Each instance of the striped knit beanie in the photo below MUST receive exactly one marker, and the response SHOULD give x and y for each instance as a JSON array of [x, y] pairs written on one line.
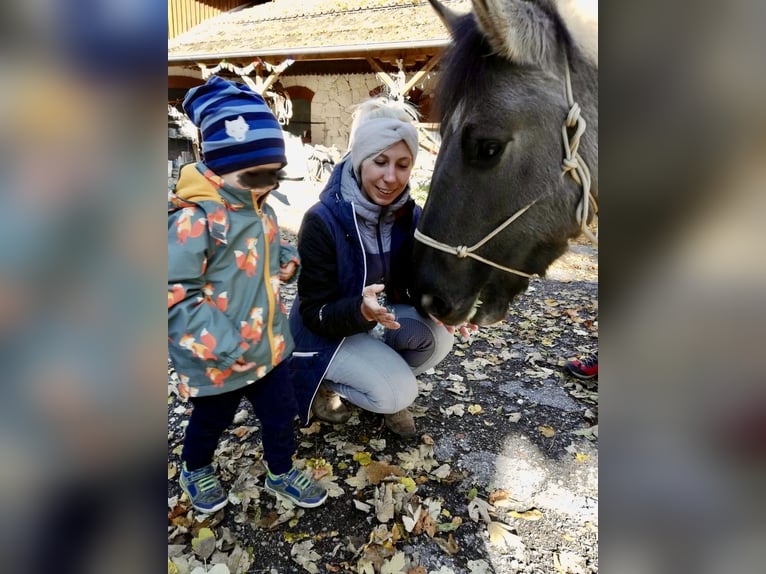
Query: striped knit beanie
[[238, 128]]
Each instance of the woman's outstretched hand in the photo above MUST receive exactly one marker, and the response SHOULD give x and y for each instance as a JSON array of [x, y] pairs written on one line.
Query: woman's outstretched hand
[[465, 329], [374, 311]]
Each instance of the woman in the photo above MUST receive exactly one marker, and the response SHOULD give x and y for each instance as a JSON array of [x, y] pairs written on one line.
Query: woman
[[356, 243]]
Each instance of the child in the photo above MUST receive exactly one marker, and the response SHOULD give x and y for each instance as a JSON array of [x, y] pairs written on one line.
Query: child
[[227, 328]]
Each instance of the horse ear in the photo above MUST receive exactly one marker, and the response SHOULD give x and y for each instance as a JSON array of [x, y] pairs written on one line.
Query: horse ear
[[447, 16], [519, 30]]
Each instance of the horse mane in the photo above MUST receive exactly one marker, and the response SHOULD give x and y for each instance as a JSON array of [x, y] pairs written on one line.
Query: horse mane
[[467, 59]]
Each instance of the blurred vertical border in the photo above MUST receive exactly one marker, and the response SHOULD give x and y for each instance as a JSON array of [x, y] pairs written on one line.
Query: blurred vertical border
[[82, 139], [682, 272]]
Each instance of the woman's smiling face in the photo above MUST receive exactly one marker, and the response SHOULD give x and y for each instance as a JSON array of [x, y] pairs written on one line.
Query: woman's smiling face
[[385, 175]]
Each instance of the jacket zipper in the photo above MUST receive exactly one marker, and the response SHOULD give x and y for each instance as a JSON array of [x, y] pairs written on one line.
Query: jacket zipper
[[267, 279]]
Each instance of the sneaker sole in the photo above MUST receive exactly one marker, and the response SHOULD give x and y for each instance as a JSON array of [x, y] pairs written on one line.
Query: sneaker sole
[[211, 510], [215, 508], [284, 497], [580, 376]]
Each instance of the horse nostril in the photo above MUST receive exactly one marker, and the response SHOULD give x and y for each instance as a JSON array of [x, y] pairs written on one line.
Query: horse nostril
[[434, 305]]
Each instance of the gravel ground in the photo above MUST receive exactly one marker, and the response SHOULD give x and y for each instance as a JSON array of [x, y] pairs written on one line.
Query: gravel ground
[[503, 478]]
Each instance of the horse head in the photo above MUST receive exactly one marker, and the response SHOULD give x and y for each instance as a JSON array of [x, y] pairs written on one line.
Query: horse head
[[501, 206]]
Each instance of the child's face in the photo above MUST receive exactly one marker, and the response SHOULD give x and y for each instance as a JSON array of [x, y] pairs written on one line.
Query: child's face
[[259, 179]]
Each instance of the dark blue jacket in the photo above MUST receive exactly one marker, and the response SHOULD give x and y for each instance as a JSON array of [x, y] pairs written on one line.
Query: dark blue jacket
[[328, 305]]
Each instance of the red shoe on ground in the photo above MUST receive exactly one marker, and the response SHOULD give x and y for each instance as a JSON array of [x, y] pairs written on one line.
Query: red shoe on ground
[[585, 368]]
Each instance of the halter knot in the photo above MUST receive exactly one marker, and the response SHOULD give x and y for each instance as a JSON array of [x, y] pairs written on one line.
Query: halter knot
[[569, 163], [573, 116]]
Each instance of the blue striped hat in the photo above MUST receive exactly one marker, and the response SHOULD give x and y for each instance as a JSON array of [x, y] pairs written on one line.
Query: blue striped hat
[[238, 128]]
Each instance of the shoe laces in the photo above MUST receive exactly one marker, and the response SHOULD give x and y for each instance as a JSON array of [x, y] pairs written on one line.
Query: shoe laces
[[207, 484], [590, 361], [298, 479]]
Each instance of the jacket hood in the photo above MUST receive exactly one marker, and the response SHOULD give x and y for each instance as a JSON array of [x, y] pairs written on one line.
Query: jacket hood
[[193, 187]]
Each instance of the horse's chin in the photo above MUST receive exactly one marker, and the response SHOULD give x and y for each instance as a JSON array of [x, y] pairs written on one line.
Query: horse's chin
[[490, 314], [495, 298]]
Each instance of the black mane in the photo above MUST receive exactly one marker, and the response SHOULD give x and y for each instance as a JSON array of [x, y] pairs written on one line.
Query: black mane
[[469, 56]]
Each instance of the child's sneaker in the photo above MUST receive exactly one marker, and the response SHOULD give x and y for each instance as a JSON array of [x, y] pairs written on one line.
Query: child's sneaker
[[586, 368], [203, 488], [297, 487]]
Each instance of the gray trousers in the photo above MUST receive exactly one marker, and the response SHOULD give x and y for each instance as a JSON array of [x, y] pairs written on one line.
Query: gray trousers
[[379, 375]]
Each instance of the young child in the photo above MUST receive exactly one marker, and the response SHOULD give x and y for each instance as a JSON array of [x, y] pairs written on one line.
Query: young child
[[227, 328]]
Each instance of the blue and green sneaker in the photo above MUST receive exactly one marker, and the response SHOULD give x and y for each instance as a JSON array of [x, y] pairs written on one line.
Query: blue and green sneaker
[[297, 487], [203, 488]]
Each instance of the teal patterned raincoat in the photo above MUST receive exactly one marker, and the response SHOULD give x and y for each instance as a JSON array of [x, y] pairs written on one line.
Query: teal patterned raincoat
[[224, 255]]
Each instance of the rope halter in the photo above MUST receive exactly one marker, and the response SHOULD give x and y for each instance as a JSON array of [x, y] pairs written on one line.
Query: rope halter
[[573, 164]]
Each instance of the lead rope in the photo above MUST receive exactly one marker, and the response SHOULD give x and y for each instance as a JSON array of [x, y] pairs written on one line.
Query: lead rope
[[462, 251], [573, 164]]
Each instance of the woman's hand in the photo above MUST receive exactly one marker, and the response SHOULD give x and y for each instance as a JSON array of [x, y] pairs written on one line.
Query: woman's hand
[[374, 311], [465, 329]]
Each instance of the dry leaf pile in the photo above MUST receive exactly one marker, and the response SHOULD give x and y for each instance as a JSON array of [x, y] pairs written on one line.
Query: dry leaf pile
[[432, 505]]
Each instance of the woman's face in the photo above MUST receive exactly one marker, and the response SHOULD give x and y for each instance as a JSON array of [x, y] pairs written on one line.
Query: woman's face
[[385, 176]]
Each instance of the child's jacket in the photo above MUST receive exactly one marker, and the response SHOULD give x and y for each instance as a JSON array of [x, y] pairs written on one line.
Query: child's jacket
[[224, 254]]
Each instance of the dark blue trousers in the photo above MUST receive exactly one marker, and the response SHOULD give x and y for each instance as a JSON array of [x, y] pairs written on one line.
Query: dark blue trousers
[[274, 405]]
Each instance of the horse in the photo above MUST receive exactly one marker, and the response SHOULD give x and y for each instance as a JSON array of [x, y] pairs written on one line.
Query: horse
[[516, 174]]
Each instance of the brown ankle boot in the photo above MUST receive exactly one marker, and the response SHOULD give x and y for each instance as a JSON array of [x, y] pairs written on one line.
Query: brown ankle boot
[[328, 407], [401, 423]]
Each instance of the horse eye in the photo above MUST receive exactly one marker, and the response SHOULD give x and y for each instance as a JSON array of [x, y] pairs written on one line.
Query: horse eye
[[488, 149]]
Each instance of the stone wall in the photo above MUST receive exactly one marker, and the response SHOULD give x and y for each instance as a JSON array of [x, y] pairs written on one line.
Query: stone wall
[[334, 99]]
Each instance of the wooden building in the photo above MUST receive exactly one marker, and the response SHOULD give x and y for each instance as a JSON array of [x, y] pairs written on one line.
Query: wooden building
[[312, 58]]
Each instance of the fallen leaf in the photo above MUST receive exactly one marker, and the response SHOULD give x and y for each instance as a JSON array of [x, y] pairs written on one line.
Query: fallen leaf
[[384, 503], [450, 546], [216, 569], [241, 416], [303, 554], [531, 514], [172, 470], [498, 496], [408, 483], [204, 544], [547, 431], [314, 428], [475, 409], [500, 532], [568, 563], [458, 409], [241, 431], [588, 432], [479, 567], [377, 471], [443, 471], [479, 508], [393, 566], [363, 458], [377, 444]]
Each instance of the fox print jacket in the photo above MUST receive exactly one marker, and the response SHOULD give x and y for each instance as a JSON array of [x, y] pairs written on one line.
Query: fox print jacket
[[224, 255]]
